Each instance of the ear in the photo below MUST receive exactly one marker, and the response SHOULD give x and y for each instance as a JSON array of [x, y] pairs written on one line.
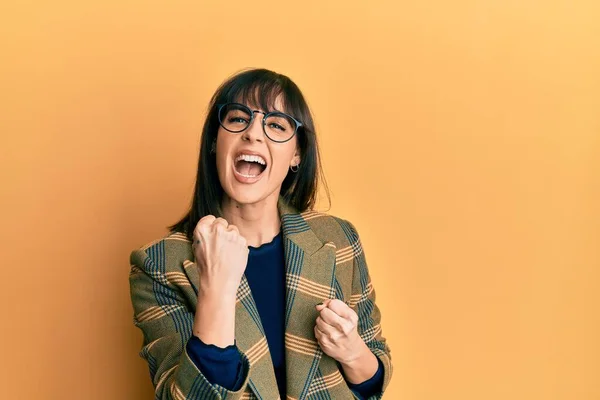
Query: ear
[[295, 160]]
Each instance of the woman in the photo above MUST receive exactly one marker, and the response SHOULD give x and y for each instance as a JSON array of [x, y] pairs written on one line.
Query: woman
[[252, 294]]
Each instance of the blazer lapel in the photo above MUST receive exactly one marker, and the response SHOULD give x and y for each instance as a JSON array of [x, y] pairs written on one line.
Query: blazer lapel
[[310, 279], [250, 338]]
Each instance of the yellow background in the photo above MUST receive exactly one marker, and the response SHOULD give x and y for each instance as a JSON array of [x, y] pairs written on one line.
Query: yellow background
[[461, 137]]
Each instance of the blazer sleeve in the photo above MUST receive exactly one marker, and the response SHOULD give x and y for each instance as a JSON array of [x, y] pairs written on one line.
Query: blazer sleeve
[[363, 302], [166, 321]]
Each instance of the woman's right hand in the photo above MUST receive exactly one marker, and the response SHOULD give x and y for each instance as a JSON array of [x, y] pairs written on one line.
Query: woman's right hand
[[221, 256]]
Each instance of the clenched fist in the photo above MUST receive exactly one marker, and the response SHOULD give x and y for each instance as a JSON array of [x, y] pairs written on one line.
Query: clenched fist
[[221, 256], [336, 331]]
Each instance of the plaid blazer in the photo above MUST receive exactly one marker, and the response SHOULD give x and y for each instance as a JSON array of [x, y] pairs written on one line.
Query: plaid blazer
[[324, 259]]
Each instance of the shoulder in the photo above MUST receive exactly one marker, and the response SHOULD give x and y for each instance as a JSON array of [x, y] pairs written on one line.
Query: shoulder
[[330, 228], [163, 254], [172, 240]]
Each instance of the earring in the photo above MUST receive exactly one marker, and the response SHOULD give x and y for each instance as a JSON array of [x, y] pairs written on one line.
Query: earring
[[213, 148], [297, 167]]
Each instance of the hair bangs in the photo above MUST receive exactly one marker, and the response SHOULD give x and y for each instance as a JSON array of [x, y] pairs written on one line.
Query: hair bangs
[[260, 92]]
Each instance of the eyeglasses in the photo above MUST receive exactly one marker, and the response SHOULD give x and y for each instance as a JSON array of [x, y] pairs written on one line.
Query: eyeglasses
[[277, 126]]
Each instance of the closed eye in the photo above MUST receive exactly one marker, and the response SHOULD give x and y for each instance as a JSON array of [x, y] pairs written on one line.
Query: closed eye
[[276, 126], [238, 120]]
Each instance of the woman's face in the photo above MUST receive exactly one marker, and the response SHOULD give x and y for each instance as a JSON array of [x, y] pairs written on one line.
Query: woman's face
[[251, 167]]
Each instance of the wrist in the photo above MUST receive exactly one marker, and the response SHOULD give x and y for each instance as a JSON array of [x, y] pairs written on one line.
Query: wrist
[[214, 320], [219, 296], [362, 367], [357, 358], [207, 293]]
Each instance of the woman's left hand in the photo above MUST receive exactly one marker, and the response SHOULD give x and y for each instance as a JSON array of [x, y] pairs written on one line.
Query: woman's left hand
[[336, 331]]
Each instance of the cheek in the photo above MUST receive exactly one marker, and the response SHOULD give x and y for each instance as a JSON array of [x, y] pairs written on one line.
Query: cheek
[[224, 142], [279, 166], [281, 160]]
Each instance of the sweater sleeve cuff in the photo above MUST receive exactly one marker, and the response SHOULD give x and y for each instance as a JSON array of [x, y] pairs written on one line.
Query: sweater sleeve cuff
[[221, 366], [371, 386]]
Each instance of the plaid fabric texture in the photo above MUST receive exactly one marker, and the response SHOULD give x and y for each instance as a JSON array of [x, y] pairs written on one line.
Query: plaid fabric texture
[[324, 259]]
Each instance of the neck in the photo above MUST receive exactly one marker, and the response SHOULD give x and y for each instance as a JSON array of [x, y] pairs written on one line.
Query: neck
[[259, 222]]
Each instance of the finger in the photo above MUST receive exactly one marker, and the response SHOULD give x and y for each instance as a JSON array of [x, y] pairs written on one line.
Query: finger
[[233, 228], [330, 332], [321, 337], [220, 222], [324, 326], [231, 232], [334, 320], [198, 236], [219, 228], [318, 332], [203, 226], [206, 220], [341, 309]]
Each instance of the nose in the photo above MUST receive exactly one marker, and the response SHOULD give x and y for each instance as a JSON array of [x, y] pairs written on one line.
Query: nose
[[255, 131]]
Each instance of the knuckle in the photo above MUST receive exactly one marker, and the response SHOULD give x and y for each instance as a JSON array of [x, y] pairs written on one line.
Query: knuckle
[[207, 219], [348, 328], [202, 227], [336, 302], [233, 228], [219, 228], [232, 234]]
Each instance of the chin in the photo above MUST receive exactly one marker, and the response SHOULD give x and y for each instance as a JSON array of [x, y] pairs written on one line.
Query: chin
[[243, 194], [242, 198], [248, 195]]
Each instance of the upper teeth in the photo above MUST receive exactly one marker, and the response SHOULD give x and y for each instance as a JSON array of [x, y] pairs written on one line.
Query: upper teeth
[[249, 158]]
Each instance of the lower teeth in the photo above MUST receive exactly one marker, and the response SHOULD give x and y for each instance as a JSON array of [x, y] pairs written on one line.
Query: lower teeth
[[247, 176]]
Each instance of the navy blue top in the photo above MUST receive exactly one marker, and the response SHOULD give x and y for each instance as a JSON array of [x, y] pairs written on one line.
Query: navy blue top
[[265, 272]]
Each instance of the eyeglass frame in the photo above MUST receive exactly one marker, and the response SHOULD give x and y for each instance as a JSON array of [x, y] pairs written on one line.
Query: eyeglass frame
[[265, 116]]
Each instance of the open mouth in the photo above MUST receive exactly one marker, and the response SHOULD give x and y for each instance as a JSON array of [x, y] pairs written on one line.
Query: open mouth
[[249, 166]]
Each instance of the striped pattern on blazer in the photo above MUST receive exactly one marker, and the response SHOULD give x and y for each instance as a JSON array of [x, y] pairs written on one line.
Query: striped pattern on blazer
[[324, 260]]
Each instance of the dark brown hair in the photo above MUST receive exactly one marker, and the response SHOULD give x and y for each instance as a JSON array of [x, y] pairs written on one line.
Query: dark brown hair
[[260, 88]]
